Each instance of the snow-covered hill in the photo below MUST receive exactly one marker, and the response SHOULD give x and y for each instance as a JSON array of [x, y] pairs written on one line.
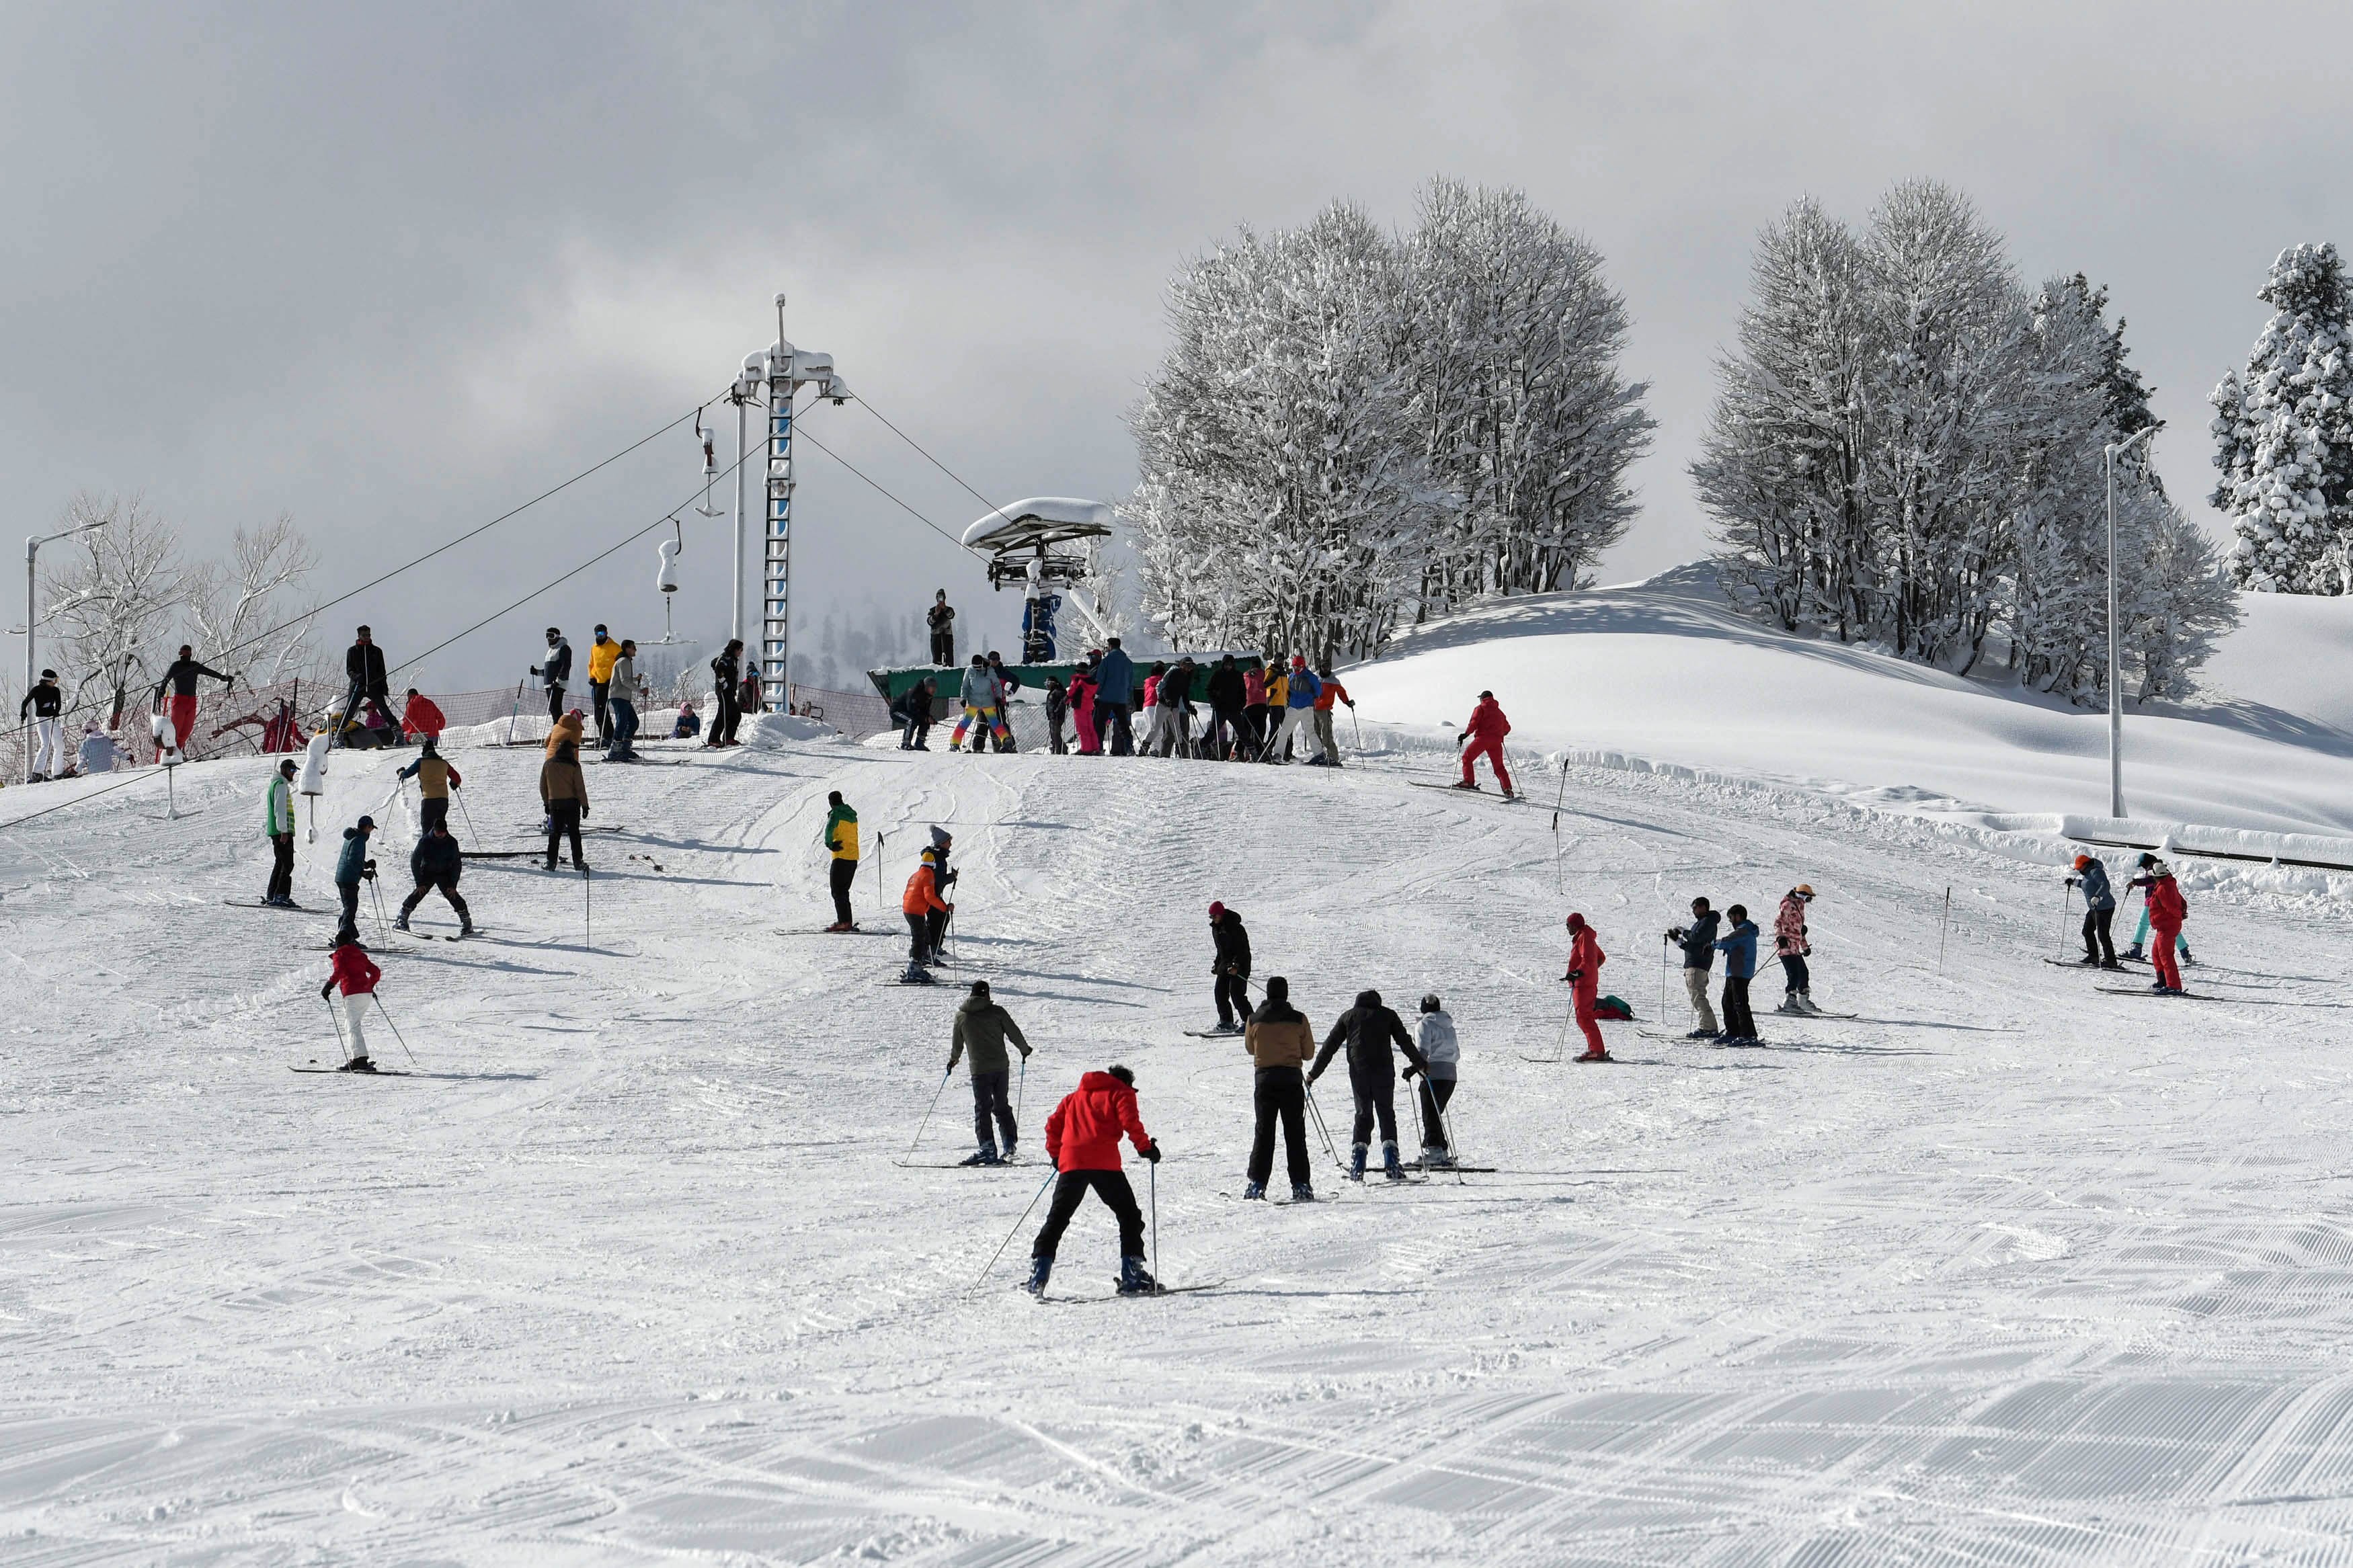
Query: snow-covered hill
[[2002, 1269], [1664, 670]]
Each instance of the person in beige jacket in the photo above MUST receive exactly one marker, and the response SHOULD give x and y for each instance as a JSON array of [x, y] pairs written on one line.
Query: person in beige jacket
[[564, 790], [1279, 1043]]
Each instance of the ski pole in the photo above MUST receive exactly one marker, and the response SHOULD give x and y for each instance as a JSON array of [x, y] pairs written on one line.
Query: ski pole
[[395, 1029], [935, 1105], [338, 1023], [1011, 1233], [1317, 1112], [1022, 1089], [2066, 905], [1152, 1186], [459, 795], [588, 910], [1666, 961], [376, 893], [881, 887], [1942, 922]]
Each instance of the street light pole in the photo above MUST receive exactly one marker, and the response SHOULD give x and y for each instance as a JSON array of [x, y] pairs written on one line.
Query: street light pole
[[33, 543], [2116, 449]]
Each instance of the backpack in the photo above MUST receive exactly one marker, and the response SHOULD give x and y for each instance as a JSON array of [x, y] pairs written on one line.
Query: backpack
[[1613, 1008]]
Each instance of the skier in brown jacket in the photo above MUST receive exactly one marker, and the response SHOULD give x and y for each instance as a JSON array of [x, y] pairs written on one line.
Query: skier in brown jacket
[[1279, 1043], [564, 790]]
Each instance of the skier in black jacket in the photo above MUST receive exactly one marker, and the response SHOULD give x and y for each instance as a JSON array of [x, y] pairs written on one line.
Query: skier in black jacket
[[1698, 942], [1231, 966], [363, 668], [436, 862], [726, 678], [1228, 698], [1369, 1030]]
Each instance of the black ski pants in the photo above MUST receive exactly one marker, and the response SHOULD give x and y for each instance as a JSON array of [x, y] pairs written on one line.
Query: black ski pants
[[564, 817], [448, 885], [2099, 942], [989, 1102], [1281, 1093], [724, 721], [1376, 1098], [597, 692], [1054, 741], [1123, 737], [1070, 1189], [1739, 1024], [919, 730], [281, 865], [1435, 1093], [935, 927], [350, 893], [555, 702], [919, 939], [943, 645], [1233, 995], [1793, 969], [1227, 730], [845, 872], [432, 813]]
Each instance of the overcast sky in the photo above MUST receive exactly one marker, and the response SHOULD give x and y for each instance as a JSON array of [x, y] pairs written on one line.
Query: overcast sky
[[394, 269]]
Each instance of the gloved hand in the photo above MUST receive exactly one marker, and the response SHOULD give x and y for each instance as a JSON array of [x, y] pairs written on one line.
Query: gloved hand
[[534, 670], [1314, 1076], [2074, 881], [1152, 1152], [1576, 975], [1409, 1070], [1025, 1053], [584, 811], [1350, 701], [1458, 740], [330, 986], [1674, 934]]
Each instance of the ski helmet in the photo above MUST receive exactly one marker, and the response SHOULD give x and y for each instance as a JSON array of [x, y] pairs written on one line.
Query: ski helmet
[[2082, 861], [1430, 1003], [1804, 890]]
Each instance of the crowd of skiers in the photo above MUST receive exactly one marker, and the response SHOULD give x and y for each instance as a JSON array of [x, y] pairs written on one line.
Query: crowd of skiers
[[1700, 941]]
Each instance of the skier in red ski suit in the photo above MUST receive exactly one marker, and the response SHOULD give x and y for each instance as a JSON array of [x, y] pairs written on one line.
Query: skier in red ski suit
[[1484, 735], [1083, 1142], [1584, 960], [2166, 911]]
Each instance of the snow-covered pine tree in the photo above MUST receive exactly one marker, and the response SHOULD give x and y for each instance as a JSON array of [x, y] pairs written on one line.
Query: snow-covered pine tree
[[2284, 433], [2175, 593], [2056, 608]]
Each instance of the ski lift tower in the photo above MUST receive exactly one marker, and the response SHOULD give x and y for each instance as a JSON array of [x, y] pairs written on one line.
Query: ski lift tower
[[1021, 540], [781, 371]]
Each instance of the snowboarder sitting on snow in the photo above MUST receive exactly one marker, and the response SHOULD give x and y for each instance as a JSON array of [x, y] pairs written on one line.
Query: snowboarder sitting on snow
[[1739, 950], [1584, 960], [350, 967], [353, 867], [920, 904], [1698, 942], [1443, 1052], [1484, 736], [1790, 946], [1231, 968], [1369, 1029], [436, 862], [2136, 953], [2099, 910], [1083, 1142], [2167, 909], [1279, 1043], [981, 1029]]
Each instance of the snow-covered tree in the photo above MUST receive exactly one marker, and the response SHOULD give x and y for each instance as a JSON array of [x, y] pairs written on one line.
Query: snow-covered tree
[[245, 609], [115, 600], [2284, 433]]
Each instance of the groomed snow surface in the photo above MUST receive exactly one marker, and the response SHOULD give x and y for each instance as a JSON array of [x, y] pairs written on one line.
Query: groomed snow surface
[[2002, 1270]]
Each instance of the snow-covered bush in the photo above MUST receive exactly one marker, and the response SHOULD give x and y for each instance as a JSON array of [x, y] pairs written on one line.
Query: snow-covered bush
[[2284, 433]]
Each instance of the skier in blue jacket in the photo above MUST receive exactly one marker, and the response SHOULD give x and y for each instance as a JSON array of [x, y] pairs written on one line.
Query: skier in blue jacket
[[353, 867], [1115, 695], [1739, 951], [1301, 688], [2099, 910]]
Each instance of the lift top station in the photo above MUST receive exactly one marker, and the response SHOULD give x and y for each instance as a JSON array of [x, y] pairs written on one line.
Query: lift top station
[[1029, 545]]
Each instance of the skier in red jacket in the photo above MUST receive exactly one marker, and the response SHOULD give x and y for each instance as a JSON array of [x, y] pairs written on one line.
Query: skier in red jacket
[[1584, 960], [2166, 911], [1083, 1142], [1484, 735], [351, 968]]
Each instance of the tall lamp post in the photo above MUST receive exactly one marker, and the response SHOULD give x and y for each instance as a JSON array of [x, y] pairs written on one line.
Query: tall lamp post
[[2116, 449], [32, 593]]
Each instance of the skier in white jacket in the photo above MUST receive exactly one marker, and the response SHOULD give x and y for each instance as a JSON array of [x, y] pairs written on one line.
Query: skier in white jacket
[[1441, 1049]]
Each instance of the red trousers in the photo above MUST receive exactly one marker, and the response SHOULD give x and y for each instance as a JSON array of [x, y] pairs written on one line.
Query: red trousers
[[1492, 750], [1587, 992], [184, 719], [2167, 956]]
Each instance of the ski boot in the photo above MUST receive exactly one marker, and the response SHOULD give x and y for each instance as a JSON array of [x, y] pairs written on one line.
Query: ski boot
[[2091, 958], [1254, 1189], [916, 976], [1356, 1166], [1789, 1006], [466, 928], [357, 1063], [1597, 1057], [983, 1155], [2186, 959], [400, 922], [1806, 1005], [1435, 1159], [1473, 788], [838, 926], [1005, 1157], [1511, 794], [1134, 1281], [1390, 1165], [1302, 1193], [2133, 954], [1040, 1268], [2110, 963], [1705, 1034]]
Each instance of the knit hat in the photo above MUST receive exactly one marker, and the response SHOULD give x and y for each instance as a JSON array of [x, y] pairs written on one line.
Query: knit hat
[[980, 987], [1125, 1075], [1278, 989], [1577, 922], [1430, 1003], [1216, 910]]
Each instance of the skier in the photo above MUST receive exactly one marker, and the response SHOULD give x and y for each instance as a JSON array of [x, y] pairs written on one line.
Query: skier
[[353, 867], [981, 1029], [983, 697], [2140, 933], [1058, 709], [1230, 967], [420, 718], [726, 675], [1082, 1140], [1443, 1052], [180, 677], [1277, 689], [912, 715], [1115, 692], [564, 790], [435, 779], [1484, 735], [943, 845], [46, 703], [940, 619], [1253, 736], [363, 668], [922, 904], [96, 753], [1333, 692], [1279, 1043], [619, 699], [840, 836], [1300, 690], [2099, 910], [2166, 911], [1698, 942], [1175, 726], [565, 732], [1790, 946], [1369, 1029], [1584, 960], [350, 968], [1228, 695], [436, 862], [278, 826], [1084, 711], [602, 651], [1739, 950]]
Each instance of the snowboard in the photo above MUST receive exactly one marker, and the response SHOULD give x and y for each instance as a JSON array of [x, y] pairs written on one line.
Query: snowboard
[[290, 909], [1450, 789]]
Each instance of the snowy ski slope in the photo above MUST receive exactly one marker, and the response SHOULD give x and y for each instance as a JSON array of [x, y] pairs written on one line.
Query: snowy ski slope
[[2003, 1270]]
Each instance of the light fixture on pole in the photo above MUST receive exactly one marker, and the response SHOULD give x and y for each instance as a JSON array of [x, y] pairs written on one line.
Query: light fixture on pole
[[32, 609], [2116, 449]]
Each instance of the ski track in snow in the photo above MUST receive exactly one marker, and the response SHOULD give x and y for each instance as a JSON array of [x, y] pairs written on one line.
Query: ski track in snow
[[2002, 1271]]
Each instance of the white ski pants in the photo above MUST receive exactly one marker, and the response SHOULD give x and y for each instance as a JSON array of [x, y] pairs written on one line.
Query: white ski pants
[[49, 746], [1695, 987], [355, 1007], [1298, 721]]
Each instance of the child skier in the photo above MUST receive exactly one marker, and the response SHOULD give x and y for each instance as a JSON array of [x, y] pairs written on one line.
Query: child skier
[[1789, 945], [920, 903], [351, 968], [1698, 942], [981, 1029], [1484, 736], [1739, 950], [1279, 1043], [1443, 1052], [1369, 1029], [1083, 1142], [1584, 960], [2099, 910], [841, 838]]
